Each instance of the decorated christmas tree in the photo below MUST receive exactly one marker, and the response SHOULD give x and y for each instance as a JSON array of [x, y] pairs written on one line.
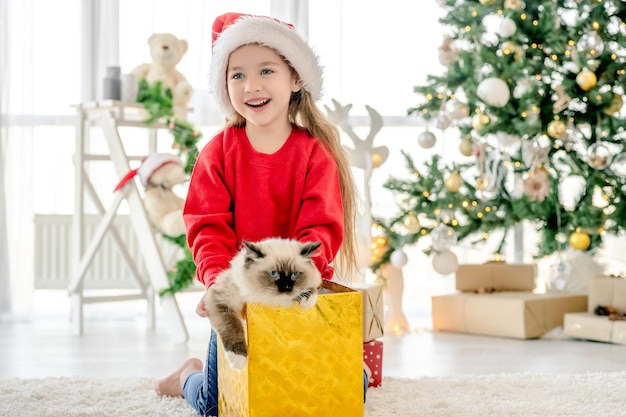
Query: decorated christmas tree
[[533, 93]]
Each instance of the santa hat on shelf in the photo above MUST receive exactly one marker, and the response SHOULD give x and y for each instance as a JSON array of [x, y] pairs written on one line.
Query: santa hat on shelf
[[149, 165], [232, 30]]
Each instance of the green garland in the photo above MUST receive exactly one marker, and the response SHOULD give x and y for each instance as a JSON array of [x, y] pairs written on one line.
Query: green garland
[[158, 102]]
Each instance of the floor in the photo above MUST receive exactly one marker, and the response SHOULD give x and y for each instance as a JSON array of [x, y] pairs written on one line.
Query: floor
[[116, 342]]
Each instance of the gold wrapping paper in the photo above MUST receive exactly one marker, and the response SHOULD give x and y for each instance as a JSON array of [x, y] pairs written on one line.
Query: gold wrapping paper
[[588, 326], [499, 276], [606, 291], [522, 315], [300, 362], [373, 310]]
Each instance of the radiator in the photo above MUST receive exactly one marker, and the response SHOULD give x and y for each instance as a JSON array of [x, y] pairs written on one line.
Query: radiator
[[53, 259]]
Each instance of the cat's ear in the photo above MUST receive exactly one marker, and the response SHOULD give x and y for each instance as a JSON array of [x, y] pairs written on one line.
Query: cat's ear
[[310, 249], [252, 250]]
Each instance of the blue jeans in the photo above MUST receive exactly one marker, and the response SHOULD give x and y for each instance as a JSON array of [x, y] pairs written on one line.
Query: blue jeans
[[200, 388]]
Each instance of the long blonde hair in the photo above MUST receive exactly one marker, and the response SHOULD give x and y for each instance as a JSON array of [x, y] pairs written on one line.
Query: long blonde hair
[[304, 113]]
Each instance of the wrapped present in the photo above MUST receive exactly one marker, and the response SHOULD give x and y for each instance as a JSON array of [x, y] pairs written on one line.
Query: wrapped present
[[373, 358], [516, 314], [606, 292], [373, 312], [496, 276], [301, 362]]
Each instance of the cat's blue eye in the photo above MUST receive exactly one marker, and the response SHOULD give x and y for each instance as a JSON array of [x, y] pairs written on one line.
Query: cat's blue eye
[[273, 274], [295, 275]]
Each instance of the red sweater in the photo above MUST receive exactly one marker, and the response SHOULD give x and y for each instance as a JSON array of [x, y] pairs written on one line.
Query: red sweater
[[237, 193]]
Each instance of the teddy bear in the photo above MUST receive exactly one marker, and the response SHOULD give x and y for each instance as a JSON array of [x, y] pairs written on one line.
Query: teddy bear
[[159, 173], [166, 51]]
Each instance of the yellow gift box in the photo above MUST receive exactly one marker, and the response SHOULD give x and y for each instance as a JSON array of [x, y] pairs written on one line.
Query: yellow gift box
[[301, 362]]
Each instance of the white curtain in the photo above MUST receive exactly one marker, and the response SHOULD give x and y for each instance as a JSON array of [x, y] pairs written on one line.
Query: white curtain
[[5, 279]]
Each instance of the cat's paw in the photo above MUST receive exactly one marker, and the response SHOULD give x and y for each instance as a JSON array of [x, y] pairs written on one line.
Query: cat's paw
[[236, 361], [307, 299]]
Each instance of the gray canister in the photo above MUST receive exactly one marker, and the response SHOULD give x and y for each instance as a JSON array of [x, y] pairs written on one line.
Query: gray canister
[[112, 87]]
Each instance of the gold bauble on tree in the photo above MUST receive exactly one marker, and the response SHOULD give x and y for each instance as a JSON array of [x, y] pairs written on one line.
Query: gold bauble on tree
[[579, 240], [615, 105], [586, 79], [412, 223], [479, 121], [453, 182], [556, 128], [466, 147]]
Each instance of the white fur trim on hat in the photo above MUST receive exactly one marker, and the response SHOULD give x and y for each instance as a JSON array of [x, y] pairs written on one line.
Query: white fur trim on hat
[[269, 32], [152, 163]]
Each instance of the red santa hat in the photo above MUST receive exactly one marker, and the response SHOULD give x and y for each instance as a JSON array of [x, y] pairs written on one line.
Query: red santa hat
[[232, 30], [149, 165]]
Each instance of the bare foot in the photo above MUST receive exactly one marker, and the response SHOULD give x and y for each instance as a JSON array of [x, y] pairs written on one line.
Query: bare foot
[[172, 385]]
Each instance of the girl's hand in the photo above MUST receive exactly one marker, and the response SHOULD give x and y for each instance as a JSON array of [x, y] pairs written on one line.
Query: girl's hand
[[200, 309]]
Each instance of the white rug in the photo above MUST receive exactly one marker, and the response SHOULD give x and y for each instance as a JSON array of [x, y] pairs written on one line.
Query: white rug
[[505, 395]]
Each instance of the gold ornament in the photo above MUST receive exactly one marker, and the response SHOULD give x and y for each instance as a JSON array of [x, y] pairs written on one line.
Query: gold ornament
[[466, 147], [586, 79], [453, 182], [513, 4], [479, 121], [412, 223], [615, 106], [487, 2], [579, 240], [556, 128]]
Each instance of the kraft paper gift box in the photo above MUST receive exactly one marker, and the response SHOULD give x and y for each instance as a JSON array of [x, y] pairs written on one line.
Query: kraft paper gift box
[[373, 358], [605, 291], [373, 311], [498, 276], [301, 362], [522, 315]]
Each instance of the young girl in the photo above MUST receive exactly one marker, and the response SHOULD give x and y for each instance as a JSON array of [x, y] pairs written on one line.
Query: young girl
[[276, 170]]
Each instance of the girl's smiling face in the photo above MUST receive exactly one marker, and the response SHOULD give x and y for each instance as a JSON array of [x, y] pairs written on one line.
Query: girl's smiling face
[[260, 84]]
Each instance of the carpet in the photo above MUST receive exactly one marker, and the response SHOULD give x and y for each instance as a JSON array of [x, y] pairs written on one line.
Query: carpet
[[502, 395]]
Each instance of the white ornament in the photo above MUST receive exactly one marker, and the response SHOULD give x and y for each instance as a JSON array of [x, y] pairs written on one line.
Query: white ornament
[[443, 237], [445, 262], [398, 258], [426, 139], [507, 27], [493, 91]]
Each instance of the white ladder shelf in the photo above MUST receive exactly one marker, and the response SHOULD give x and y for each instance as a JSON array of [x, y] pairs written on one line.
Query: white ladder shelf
[[109, 116]]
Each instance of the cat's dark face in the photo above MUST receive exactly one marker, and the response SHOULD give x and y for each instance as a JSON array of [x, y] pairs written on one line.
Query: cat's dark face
[[278, 267]]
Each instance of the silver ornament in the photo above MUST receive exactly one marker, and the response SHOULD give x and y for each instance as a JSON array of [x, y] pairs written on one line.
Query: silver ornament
[[443, 237], [457, 109], [426, 139], [443, 121], [598, 156], [590, 44]]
